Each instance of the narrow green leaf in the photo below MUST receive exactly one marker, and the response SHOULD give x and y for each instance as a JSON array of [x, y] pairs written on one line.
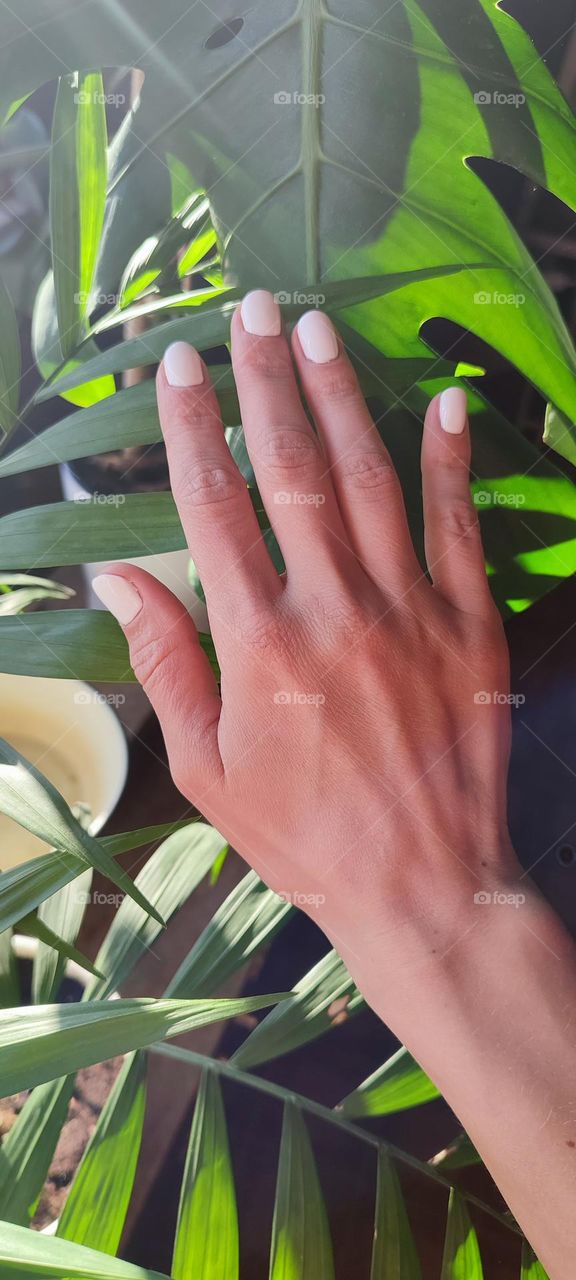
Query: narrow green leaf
[[167, 880], [28, 1255], [139, 524], [395, 1086], [42, 1042], [27, 1150], [394, 1254], [206, 1243], [459, 1154], [91, 172], [25, 886], [301, 1244], [34, 927], [31, 800], [98, 1201], [65, 216], [461, 1259], [531, 1268], [9, 981], [321, 1000], [248, 919], [9, 362]]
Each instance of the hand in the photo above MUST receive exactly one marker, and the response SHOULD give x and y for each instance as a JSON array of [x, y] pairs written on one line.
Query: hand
[[349, 758]]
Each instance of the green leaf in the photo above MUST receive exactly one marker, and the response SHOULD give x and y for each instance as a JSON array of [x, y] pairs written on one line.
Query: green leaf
[[31, 800], [28, 1255], [9, 979], [18, 590], [47, 351], [27, 1150], [206, 1243], [394, 1254], [249, 918], [34, 926], [301, 1244], [77, 198], [395, 1086], [167, 880], [9, 362], [459, 1154], [72, 644], [322, 999], [98, 1200], [461, 1258], [531, 1268], [75, 532], [59, 916], [42, 1042]]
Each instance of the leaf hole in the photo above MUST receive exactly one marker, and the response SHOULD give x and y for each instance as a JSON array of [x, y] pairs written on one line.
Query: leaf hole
[[224, 34]]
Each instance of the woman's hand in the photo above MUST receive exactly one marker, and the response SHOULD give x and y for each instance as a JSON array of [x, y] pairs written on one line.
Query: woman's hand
[[351, 759], [357, 756]]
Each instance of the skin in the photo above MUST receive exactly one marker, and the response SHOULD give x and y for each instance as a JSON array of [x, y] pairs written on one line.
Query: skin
[[346, 758]]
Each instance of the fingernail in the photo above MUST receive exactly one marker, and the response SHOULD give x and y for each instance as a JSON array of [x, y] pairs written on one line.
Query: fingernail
[[183, 366], [453, 410], [317, 337], [119, 596], [261, 314]]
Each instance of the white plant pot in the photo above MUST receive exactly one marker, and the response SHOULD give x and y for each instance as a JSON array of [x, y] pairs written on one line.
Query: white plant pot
[[73, 736], [171, 568]]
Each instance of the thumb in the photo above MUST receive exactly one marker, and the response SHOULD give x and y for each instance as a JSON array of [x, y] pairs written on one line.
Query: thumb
[[170, 664]]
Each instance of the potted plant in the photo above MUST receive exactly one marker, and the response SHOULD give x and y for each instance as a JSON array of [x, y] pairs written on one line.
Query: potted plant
[[246, 118]]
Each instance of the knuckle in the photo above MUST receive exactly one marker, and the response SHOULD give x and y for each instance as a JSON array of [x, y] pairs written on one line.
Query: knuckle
[[460, 520], [265, 362], [149, 657], [291, 449], [210, 481], [368, 473], [339, 386]]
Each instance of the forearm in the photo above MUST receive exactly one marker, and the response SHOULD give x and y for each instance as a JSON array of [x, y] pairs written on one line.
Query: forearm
[[492, 1019]]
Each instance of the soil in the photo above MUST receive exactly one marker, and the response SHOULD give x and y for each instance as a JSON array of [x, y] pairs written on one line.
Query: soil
[[93, 1084]]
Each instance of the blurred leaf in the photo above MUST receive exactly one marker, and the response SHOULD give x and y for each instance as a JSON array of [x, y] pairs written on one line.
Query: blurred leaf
[[141, 524], [301, 1244], [91, 173], [395, 1086], [394, 1254], [31, 800], [9, 363], [61, 915], [28, 1255], [322, 999], [206, 1243], [19, 590], [249, 918], [9, 981], [168, 878], [47, 351], [98, 1200], [560, 433], [461, 1259], [42, 1042]]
